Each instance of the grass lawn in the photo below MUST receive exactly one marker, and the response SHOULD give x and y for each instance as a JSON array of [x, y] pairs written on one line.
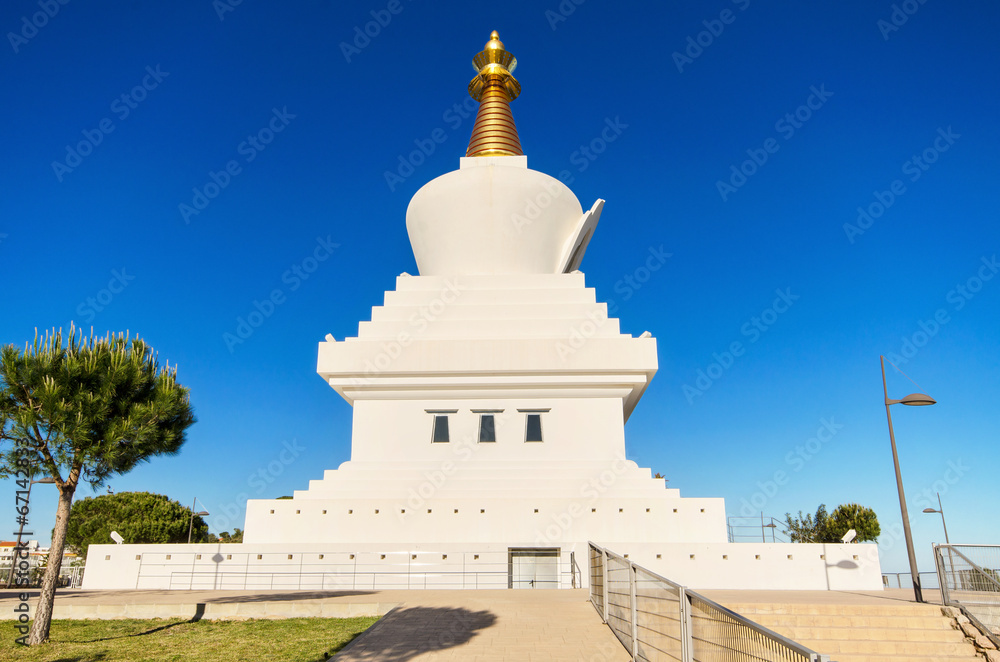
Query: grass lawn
[[288, 640]]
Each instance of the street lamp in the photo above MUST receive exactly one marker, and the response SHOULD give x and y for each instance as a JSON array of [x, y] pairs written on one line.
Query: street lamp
[[914, 399], [940, 511], [203, 513], [763, 526], [48, 480]]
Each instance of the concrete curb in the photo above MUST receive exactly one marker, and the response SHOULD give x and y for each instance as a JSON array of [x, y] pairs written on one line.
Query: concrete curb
[[214, 611]]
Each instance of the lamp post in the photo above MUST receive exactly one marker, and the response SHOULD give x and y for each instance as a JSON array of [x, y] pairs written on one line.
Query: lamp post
[[48, 480], [199, 514], [940, 511], [763, 526], [914, 399]]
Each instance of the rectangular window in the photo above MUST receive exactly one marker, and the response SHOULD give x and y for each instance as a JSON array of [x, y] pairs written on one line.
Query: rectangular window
[[533, 431], [487, 429], [440, 429], [533, 423]]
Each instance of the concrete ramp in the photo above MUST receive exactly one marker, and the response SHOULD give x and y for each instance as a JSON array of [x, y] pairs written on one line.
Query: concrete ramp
[[473, 626]]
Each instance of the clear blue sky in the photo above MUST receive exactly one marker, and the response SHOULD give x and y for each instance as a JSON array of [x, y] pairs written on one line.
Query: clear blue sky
[[837, 103]]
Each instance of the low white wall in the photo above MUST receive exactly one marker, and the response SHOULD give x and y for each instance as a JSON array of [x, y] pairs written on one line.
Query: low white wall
[[762, 566], [302, 567], [316, 566]]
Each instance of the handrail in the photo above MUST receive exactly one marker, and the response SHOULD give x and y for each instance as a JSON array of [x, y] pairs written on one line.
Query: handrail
[[983, 612], [747, 639], [760, 629], [988, 576], [985, 629], [574, 568]]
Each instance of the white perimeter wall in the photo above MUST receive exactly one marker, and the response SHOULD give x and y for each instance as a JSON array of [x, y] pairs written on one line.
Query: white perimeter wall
[[338, 566]]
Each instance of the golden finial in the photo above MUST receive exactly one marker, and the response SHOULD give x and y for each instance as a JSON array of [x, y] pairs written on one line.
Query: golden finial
[[494, 133], [494, 42]]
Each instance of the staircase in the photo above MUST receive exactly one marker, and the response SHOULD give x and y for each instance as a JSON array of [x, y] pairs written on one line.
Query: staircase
[[866, 632]]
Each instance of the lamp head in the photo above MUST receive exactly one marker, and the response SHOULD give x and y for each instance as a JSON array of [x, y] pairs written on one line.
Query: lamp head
[[914, 400], [203, 513], [47, 479], [918, 400], [931, 510]]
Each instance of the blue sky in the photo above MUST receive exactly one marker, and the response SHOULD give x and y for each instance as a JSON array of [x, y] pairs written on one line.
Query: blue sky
[[749, 135]]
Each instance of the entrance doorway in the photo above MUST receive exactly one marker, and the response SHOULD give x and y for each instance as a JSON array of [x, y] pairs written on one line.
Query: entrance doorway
[[533, 567]]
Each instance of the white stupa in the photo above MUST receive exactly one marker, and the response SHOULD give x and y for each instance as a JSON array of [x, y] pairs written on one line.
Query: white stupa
[[490, 392], [490, 395]]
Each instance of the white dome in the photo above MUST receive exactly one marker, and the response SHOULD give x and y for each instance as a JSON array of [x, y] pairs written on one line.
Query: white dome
[[493, 216]]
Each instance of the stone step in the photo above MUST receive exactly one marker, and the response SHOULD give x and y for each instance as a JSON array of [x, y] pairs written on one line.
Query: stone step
[[803, 632], [866, 633], [836, 609], [848, 621], [845, 657], [903, 649]]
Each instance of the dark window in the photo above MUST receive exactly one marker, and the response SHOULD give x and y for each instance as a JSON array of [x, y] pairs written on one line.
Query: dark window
[[487, 430], [534, 428], [440, 429]]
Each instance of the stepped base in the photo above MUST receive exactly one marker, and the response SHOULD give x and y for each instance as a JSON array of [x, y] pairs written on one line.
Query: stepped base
[[865, 632]]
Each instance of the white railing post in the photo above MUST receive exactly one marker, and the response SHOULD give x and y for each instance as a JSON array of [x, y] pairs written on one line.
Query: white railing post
[[604, 584], [634, 610], [941, 573], [687, 641]]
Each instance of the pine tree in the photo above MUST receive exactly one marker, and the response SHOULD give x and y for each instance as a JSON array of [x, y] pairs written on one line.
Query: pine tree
[[84, 409]]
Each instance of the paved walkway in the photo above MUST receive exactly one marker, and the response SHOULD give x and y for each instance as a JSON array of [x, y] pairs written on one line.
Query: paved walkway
[[472, 626], [476, 626], [438, 626]]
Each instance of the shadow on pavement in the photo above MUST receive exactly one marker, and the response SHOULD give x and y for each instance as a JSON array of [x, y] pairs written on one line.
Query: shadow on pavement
[[282, 597], [405, 633]]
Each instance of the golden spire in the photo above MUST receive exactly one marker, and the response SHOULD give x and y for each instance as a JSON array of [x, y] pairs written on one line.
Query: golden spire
[[494, 88]]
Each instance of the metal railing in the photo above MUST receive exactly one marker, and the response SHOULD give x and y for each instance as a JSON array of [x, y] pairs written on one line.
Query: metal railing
[[928, 580], [69, 576], [756, 529], [184, 572], [970, 579], [657, 619]]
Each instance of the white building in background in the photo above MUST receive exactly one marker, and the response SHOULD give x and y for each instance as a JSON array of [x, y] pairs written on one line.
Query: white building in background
[[490, 395]]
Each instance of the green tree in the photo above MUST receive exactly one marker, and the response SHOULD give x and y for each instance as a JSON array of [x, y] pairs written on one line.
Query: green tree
[[853, 516], [139, 517], [235, 537], [84, 409], [807, 528], [830, 528]]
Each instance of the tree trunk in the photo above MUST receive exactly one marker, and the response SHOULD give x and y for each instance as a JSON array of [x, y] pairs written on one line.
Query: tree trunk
[[43, 612]]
